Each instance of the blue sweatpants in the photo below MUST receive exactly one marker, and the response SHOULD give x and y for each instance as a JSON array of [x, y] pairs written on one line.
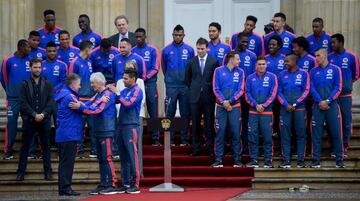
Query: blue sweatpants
[[345, 103], [233, 120], [296, 120], [152, 105], [181, 94], [332, 117], [12, 111], [260, 123], [244, 125], [106, 165], [130, 171]]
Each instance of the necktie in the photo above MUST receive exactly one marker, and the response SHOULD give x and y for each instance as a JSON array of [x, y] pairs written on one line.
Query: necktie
[[202, 65]]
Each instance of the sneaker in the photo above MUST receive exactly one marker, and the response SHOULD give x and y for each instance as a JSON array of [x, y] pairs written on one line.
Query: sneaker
[[339, 164], [332, 155], [238, 164], [217, 164], [301, 164], [285, 164], [93, 155], [116, 156], [133, 190], [123, 189], [31, 157], [156, 144], [79, 155], [184, 144], [253, 163], [8, 157], [172, 145], [97, 190], [315, 164], [109, 191], [268, 164]]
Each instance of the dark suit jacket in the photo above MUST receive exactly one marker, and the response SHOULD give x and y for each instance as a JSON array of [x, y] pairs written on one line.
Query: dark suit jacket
[[197, 81], [115, 39], [26, 98]]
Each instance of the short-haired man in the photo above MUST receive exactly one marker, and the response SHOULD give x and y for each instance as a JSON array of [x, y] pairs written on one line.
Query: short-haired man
[[199, 76], [102, 59], [69, 132], [82, 66], [305, 60], [86, 33], [175, 57], [256, 42], [228, 87], [36, 51], [15, 69], [216, 48], [49, 31], [279, 30], [260, 92], [130, 99], [121, 22], [326, 85], [151, 58], [36, 100], [104, 120], [294, 87], [349, 65], [319, 38], [118, 65], [66, 52]]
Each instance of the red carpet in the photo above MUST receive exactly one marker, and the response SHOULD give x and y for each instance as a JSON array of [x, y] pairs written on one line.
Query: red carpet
[[188, 195], [189, 171]]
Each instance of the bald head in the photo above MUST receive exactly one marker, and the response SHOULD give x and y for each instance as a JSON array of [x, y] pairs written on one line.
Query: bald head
[[321, 57], [291, 61]]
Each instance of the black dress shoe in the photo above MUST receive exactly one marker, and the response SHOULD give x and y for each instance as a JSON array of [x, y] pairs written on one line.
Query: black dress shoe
[[48, 177], [69, 193], [20, 177]]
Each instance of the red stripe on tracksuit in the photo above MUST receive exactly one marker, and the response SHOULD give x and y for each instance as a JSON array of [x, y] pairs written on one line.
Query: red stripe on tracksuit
[[110, 161], [136, 157]]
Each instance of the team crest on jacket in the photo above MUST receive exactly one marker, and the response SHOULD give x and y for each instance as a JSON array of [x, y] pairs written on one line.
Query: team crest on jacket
[[92, 39], [329, 71], [71, 54], [306, 63], [345, 60], [185, 51], [266, 78], [247, 58], [298, 76], [236, 74], [111, 56], [39, 55], [325, 42], [27, 63], [252, 41], [286, 39], [221, 50], [56, 67], [281, 61], [147, 53]]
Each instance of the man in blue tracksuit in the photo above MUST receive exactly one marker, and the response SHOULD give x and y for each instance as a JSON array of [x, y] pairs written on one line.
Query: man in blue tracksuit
[[319, 38], [82, 66], [102, 59], [152, 62], [217, 49], [294, 87], [15, 69], [36, 51], [104, 116], [228, 87], [260, 92], [326, 85], [349, 65], [69, 132], [66, 52], [130, 99], [175, 57]]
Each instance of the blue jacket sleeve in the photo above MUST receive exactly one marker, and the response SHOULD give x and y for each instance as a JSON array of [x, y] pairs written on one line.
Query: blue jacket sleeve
[[337, 85], [240, 89], [133, 101], [3, 75], [101, 106], [154, 69], [314, 93], [216, 87], [280, 95], [305, 88], [273, 92], [248, 94]]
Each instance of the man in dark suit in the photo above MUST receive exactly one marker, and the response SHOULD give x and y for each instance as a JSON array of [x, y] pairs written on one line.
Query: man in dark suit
[[36, 103], [199, 76], [121, 23]]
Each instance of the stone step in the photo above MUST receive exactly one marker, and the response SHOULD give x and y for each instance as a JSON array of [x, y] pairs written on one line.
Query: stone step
[[347, 184], [307, 172]]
